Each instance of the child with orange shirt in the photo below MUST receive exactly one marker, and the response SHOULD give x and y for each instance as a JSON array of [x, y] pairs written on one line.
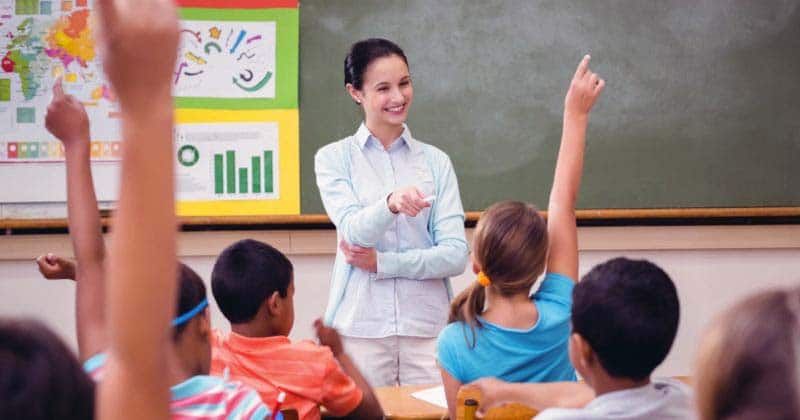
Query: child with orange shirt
[[253, 285]]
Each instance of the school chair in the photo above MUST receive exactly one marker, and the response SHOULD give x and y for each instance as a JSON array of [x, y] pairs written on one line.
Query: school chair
[[469, 399], [290, 414]]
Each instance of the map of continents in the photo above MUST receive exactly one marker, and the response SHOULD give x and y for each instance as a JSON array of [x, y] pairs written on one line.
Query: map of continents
[[42, 41]]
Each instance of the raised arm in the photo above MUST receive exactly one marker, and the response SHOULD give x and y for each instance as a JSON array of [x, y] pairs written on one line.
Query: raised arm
[[66, 119], [562, 232], [141, 288]]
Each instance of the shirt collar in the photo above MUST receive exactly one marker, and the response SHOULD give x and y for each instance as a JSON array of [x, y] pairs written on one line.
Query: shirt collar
[[240, 341], [363, 135]]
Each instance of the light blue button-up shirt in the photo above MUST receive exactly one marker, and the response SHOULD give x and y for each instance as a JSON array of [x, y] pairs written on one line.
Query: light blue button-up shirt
[[410, 293]]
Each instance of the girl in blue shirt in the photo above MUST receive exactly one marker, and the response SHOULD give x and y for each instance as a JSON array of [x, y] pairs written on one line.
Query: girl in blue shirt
[[497, 329]]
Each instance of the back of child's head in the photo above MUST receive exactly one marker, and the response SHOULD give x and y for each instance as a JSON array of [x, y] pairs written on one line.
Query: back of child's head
[[245, 275], [509, 246], [628, 313], [39, 376], [749, 360], [191, 294]]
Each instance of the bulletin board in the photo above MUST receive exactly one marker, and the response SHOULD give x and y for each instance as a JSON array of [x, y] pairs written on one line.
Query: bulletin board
[[236, 99]]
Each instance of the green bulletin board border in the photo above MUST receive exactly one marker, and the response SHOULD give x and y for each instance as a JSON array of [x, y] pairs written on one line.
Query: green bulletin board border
[[286, 57]]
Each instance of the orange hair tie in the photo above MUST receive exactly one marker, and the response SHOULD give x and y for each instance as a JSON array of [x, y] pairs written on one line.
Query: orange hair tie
[[483, 279]]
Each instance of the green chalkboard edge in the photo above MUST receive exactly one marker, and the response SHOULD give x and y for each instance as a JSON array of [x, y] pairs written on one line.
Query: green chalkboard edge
[[321, 220]]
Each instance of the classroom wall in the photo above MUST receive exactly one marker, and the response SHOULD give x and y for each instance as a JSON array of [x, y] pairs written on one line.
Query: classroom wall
[[711, 265]]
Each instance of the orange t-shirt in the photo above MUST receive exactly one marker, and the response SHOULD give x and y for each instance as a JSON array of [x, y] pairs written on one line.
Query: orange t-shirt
[[308, 373]]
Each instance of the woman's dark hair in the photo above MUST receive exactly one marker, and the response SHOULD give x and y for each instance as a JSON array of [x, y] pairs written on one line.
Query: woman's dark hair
[[40, 378], [363, 53]]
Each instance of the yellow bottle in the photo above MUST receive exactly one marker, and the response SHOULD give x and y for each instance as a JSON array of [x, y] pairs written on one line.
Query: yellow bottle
[[470, 408]]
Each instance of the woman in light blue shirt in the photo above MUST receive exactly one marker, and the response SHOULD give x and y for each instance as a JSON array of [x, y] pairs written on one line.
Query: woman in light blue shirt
[[399, 222]]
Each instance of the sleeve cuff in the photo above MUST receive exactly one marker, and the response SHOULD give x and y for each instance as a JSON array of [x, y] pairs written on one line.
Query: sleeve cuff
[[346, 407], [387, 266], [381, 215]]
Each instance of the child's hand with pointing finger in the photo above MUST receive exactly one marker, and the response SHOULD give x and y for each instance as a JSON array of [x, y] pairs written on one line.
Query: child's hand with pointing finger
[[584, 90]]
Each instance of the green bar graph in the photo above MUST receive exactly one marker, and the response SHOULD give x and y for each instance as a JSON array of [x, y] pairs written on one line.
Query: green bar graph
[[259, 180], [230, 172], [242, 180], [256, 168], [218, 184], [268, 171]]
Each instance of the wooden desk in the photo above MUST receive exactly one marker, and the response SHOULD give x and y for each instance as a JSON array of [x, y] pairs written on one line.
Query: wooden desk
[[398, 404]]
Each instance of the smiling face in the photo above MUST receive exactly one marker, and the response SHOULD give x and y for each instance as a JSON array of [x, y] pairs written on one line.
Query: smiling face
[[386, 93]]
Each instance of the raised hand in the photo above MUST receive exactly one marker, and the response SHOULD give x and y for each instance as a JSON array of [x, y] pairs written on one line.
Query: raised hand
[[66, 119], [584, 89], [139, 42], [55, 267], [407, 200]]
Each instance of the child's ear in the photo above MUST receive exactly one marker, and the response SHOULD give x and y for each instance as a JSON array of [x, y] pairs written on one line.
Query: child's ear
[[583, 351], [204, 324], [476, 268], [274, 304]]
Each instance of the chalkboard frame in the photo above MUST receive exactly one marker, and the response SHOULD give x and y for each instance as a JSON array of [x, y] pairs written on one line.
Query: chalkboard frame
[[607, 217]]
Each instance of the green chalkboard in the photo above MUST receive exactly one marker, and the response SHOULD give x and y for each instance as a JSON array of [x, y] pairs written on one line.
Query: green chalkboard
[[701, 108]]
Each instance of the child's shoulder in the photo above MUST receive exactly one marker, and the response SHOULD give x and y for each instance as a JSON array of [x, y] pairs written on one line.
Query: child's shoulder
[[308, 350], [312, 347], [557, 288], [211, 390], [457, 338], [672, 385], [452, 331]]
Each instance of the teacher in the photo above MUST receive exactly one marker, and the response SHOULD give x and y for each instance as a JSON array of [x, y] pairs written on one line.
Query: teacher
[[399, 223]]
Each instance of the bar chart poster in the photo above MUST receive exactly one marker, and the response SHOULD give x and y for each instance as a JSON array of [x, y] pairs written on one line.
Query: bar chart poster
[[229, 162], [237, 163]]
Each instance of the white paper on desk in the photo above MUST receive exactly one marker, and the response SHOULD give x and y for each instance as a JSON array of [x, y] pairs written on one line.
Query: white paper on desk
[[433, 396]]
